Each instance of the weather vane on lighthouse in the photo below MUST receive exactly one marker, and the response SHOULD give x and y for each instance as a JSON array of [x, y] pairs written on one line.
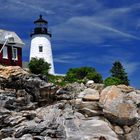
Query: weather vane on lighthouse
[[40, 43]]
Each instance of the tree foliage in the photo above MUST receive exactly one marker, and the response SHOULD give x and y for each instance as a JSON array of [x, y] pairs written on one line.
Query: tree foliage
[[75, 74], [118, 71], [39, 66], [112, 81]]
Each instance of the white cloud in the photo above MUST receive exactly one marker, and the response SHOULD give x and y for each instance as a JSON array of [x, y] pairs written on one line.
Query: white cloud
[[67, 58], [87, 29]]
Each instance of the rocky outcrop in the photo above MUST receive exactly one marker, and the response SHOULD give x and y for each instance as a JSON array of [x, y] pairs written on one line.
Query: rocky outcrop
[[6, 72], [33, 109], [119, 107]]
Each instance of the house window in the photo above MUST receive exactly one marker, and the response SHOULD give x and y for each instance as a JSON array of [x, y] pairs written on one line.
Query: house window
[[40, 48], [14, 54], [5, 53]]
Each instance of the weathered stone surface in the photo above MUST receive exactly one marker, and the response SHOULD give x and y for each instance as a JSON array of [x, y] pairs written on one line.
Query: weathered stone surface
[[127, 129], [90, 95], [90, 82], [109, 94], [90, 113], [6, 132], [118, 130], [26, 137], [33, 109], [12, 121], [135, 133], [75, 87], [125, 89], [8, 71], [90, 105], [96, 128], [134, 97], [38, 138], [117, 107], [29, 115], [9, 138], [96, 86], [137, 91]]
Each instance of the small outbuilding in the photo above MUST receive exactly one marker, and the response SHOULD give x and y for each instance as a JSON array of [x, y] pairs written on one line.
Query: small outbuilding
[[10, 48]]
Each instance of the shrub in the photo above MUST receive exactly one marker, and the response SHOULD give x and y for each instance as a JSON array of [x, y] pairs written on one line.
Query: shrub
[[96, 77], [112, 81], [78, 74], [39, 66], [57, 80]]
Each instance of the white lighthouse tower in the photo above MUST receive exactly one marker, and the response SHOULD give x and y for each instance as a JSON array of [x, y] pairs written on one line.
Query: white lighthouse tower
[[40, 43]]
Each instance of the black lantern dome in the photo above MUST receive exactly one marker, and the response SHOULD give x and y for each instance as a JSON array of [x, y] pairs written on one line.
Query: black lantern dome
[[41, 27], [40, 20]]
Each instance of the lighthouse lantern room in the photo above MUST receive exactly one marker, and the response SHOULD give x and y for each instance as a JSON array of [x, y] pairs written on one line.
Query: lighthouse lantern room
[[40, 42]]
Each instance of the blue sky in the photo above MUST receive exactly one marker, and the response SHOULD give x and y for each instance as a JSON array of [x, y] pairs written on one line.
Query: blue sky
[[85, 33]]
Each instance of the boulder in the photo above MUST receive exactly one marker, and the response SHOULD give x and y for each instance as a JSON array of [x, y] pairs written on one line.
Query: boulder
[[96, 86], [90, 113], [95, 128], [6, 72], [135, 132], [63, 94], [118, 130], [134, 97], [90, 82], [6, 132], [8, 99], [137, 91], [127, 129], [117, 107], [125, 89], [14, 120], [89, 95], [26, 137], [75, 87], [90, 105]]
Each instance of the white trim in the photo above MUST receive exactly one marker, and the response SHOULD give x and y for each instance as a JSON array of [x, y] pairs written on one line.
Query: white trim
[[14, 53], [5, 53]]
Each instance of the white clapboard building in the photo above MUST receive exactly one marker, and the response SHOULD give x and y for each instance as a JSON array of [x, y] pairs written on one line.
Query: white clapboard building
[[40, 43]]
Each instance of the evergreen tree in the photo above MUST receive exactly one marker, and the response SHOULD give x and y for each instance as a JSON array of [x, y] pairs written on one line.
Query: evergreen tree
[[118, 71]]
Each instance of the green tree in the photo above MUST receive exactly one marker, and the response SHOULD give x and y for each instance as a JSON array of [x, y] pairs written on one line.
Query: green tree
[[112, 81], [118, 71], [95, 76], [39, 66], [75, 74]]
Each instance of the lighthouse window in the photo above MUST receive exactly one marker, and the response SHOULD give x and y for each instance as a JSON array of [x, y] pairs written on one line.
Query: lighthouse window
[[40, 48]]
